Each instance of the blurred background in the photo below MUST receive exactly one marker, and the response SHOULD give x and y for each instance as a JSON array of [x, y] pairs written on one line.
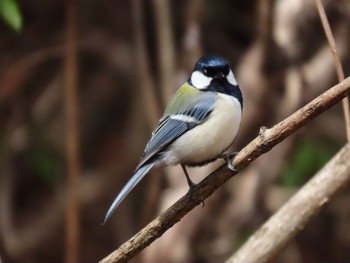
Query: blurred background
[[131, 56]]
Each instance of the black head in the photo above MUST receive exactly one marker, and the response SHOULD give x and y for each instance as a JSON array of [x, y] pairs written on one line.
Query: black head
[[212, 70], [213, 66], [213, 73]]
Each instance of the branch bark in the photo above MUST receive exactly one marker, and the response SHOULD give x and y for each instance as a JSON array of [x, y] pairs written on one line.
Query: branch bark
[[275, 234], [267, 139]]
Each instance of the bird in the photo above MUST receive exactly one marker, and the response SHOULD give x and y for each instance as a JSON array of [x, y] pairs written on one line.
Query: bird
[[199, 124]]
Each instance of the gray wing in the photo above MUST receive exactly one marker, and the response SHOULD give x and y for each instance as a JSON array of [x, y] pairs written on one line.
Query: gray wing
[[173, 126]]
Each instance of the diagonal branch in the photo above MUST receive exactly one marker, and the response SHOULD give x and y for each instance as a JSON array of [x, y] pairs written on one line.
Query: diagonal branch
[[267, 139], [274, 235]]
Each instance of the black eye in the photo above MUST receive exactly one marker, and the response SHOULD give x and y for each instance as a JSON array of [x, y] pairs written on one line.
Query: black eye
[[205, 71]]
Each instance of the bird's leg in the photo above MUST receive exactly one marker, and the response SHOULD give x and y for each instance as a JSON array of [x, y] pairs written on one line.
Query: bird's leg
[[189, 181], [229, 157]]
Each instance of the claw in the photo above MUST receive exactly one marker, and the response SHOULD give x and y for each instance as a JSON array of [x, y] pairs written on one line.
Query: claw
[[230, 166], [229, 157]]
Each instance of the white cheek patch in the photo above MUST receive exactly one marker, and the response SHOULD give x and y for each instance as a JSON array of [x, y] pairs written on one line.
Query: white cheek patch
[[199, 80], [231, 79]]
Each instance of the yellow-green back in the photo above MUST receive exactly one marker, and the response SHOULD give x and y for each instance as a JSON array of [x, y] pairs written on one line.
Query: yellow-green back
[[181, 98]]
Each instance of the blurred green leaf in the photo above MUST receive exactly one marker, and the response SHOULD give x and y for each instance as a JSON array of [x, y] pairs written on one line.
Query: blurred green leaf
[[309, 156], [44, 163], [9, 11]]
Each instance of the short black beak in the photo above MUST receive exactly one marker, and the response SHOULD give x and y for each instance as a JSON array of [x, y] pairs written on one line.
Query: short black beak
[[219, 75]]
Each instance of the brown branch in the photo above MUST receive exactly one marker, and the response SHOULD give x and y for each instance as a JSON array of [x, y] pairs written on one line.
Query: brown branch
[[337, 63], [147, 84], [166, 49], [72, 139], [267, 139], [275, 234]]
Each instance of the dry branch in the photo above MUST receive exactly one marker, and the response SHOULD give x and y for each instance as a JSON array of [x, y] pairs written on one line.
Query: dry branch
[[337, 63], [143, 70], [72, 136], [166, 49], [263, 143], [275, 234]]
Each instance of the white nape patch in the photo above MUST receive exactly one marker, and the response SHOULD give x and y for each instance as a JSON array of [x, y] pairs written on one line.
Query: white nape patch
[[184, 118], [231, 79], [199, 80]]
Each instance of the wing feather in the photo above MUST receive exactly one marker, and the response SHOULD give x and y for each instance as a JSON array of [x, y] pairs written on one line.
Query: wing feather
[[170, 128]]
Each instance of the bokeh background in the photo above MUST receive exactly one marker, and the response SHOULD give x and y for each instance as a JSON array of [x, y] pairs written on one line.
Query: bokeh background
[[132, 55]]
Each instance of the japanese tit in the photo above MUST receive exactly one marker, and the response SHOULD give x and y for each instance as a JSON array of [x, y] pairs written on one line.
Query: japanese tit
[[199, 124]]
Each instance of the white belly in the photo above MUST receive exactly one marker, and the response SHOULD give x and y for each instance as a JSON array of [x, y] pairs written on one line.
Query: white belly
[[209, 139]]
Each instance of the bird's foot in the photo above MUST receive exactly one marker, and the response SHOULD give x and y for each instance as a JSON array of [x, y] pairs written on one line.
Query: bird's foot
[[191, 190], [190, 183], [229, 157]]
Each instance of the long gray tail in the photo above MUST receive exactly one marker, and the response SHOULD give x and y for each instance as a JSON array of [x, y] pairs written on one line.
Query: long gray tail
[[135, 179]]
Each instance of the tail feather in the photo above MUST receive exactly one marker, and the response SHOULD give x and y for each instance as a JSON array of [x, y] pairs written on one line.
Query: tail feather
[[135, 179]]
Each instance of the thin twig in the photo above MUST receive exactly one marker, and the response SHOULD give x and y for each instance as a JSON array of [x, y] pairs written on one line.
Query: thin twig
[[72, 140], [275, 234], [337, 63], [267, 139]]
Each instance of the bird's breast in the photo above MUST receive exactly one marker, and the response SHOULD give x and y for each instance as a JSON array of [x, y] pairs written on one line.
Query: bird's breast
[[210, 138]]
